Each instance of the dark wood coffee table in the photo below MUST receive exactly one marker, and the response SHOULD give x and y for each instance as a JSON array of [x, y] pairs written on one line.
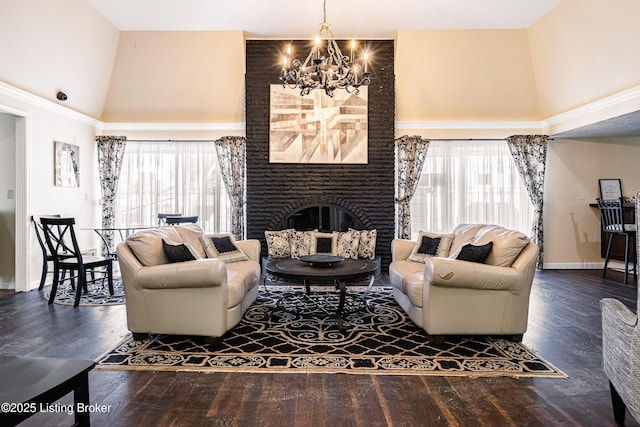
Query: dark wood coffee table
[[29, 385], [339, 273]]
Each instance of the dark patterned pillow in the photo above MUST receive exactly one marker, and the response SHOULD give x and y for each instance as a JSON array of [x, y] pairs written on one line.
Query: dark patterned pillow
[[429, 245], [279, 243], [348, 243], [367, 245], [300, 243], [475, 253], [177, 252], [222, 246]]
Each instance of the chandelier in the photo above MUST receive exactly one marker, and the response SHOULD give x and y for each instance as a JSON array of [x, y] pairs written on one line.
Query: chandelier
[[329, 72]]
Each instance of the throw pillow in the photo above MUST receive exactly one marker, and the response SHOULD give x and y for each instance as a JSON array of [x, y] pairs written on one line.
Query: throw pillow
[[367, 245], [278, 243], [222, 246], [324, 243], [348, 242], [475, 253], [147, 245], [429, 245], [300, 243], [191, 234], [178, 252]]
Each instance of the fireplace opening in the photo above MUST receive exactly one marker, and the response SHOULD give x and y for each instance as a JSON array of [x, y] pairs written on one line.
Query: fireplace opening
[[324, 218]]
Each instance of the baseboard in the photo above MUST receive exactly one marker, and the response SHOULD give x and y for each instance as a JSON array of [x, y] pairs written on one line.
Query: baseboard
[[573, 265]]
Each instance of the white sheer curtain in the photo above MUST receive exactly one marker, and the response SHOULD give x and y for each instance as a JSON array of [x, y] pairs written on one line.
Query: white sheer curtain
[[172, 176], [470, 182]]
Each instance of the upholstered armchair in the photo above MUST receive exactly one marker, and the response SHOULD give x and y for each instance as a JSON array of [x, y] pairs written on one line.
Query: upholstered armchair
[[621, 352]]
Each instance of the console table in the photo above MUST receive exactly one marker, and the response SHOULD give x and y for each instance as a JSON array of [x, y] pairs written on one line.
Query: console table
[[32, 384]]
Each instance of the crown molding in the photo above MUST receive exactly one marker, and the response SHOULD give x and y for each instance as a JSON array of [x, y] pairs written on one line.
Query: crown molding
[[599, 106], [165, 126], [464, 125], [38, 101]]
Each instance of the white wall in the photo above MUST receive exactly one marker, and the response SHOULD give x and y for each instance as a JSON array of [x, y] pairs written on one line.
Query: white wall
[[47, 122]]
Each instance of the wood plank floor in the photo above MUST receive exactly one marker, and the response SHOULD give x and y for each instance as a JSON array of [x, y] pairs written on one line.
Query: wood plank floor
[[564, 328]]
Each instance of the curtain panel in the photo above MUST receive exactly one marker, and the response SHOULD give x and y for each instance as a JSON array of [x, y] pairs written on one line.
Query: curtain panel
[[529, 153], [110, 155], [232, 159], [410, 154]]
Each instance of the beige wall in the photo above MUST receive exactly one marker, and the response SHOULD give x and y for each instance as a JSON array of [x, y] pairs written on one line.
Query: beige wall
[[48, 46], [177, 77], [583, 51], [451, 75], [572, 228]]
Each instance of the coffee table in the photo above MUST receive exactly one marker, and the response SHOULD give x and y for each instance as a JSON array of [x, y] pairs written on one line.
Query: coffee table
[[33, 384], [325, 270]]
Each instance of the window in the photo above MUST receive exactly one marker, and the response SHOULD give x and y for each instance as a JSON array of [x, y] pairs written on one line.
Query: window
[[168, 177], [470, 182]]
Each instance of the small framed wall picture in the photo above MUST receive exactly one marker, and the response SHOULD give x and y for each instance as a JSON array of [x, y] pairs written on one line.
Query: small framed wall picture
[[610, 189], [67, 165]]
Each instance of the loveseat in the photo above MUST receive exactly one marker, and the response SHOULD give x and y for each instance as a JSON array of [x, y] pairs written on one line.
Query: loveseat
[[179, 280], [474, 281], [350, 244]]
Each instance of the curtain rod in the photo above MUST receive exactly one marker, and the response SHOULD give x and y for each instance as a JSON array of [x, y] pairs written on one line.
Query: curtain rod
[[171, 140], [473, 139]]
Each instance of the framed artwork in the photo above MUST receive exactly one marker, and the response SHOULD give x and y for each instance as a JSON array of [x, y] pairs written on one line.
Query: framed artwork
[[317, 128], [610, 188], [67, 165]]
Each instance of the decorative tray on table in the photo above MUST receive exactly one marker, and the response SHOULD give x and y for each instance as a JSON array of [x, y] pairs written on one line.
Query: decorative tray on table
[[320, 260]]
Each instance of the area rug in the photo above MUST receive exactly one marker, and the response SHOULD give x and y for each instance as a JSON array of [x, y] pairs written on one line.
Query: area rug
[[97, 295], [378, 339]]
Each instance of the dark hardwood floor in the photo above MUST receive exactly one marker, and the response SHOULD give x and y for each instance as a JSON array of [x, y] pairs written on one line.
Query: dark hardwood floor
[[564, 328]]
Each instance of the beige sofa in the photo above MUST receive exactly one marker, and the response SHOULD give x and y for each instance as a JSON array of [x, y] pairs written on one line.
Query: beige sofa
[[206, 296], [449, 296]]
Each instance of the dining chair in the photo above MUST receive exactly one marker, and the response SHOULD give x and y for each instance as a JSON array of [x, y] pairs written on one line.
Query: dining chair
[[612, 219], [46, 255], [162, 217], [60, 236], [174, 220]]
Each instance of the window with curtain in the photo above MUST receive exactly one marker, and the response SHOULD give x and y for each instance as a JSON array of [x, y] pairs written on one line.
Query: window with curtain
[[172, 176], [470, 182]]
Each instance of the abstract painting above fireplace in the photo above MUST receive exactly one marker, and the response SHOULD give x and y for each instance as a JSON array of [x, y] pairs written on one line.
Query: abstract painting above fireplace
[[317, 128]]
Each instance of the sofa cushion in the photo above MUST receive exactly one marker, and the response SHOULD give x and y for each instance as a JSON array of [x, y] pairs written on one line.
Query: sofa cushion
[[146, 245], [463, 235], [241, 278], [222, 246], [507, 244], [191, 233], [367, 245], [475, 253], [348, 243], [279, 243], [300, 243], [179, 252], [324, 243], [431, 244]]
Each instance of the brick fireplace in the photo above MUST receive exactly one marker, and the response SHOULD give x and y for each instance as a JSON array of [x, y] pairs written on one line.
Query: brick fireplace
[[275, 191]]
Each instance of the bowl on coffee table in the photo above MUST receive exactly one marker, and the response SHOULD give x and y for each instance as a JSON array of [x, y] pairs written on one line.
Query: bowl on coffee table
[[321, 261]]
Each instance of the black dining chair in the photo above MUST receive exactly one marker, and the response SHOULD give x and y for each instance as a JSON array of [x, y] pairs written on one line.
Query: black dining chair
[[60, 237], [46, 255], [612, 219], [175, 220], [162, 217]]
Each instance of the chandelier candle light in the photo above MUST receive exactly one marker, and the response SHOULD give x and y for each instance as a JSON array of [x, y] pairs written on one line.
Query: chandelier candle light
[[334, 71]]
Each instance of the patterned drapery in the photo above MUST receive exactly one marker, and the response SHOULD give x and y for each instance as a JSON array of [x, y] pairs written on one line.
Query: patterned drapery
[[231, 157], [410, 154], [529, 153], [110, 154]]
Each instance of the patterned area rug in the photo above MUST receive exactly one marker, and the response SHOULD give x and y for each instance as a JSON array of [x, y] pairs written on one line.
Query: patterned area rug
[[97, 295], [379, 339]]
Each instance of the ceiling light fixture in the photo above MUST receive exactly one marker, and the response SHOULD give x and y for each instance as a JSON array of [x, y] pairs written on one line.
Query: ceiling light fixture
[[330, 72]]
